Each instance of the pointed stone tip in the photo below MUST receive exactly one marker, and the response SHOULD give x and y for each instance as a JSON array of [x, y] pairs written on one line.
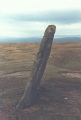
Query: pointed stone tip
[[51, 28]]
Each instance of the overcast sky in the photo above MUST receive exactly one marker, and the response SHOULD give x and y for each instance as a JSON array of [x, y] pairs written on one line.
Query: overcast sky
[[29, 18]]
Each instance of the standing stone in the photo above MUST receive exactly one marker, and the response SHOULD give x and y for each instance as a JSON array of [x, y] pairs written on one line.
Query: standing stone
[[31, 89]]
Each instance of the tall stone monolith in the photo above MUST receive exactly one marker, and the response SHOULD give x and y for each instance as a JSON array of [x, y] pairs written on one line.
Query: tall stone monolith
[[31, 89]]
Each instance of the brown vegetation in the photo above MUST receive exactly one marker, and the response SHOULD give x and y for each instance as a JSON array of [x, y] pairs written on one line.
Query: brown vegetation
[[59, 94]]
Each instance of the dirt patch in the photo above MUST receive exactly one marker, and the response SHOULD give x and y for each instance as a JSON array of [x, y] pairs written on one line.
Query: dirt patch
[[75, 74], [17, 74]]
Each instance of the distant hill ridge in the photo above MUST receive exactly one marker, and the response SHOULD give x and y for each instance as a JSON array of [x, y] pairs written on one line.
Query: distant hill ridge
[[38, 39]]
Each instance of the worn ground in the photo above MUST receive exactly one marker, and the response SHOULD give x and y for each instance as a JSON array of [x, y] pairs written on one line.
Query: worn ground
[[59, 95]]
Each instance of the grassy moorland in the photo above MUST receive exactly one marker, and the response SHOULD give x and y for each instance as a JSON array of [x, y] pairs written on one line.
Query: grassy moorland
[[60, 90]]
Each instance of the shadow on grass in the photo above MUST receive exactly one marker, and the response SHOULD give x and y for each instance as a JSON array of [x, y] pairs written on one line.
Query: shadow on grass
[[58, 99]]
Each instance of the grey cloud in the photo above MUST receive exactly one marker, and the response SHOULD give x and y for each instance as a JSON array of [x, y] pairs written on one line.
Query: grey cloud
[[61, 17]]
